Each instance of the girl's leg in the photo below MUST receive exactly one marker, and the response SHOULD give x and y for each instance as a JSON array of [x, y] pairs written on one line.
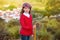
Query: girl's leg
[[28, 37], [25, 37]]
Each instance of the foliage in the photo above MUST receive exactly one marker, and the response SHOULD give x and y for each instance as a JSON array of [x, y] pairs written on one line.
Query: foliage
[[13, 28], [52, 23], [57, 35], [43, 33], [53, 6], [9, 30], [11, 7]]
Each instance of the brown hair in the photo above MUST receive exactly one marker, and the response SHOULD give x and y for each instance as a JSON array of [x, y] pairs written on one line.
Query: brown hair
[[22, 11]]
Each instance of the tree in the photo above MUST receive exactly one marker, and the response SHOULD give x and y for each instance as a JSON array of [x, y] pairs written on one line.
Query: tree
[[53, 7]]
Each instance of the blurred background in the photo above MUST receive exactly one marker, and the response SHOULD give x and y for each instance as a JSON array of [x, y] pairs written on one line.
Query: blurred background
[[46, 17]]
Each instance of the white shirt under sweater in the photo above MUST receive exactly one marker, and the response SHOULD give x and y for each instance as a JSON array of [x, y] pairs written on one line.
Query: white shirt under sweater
[[26, 14]]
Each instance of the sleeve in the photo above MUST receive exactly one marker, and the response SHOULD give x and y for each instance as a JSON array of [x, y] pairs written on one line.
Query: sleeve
[[31, 18], [23, 23]]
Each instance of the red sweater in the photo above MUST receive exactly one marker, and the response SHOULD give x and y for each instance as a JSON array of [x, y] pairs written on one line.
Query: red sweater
[[26, 25]]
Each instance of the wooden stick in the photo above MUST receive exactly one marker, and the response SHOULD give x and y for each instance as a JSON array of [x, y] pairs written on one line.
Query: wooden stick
[[34, 31]]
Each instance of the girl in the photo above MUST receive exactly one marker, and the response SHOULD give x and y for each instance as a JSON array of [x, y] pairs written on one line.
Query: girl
[[26, 22]]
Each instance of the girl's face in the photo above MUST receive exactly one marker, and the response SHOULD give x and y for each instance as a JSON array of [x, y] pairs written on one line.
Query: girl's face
[[26, 9]]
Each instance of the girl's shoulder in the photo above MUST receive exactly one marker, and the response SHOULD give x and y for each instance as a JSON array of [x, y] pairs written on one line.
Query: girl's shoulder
[[21, 15]]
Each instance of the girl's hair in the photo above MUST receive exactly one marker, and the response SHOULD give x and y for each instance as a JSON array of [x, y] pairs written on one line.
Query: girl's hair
[[26, 5]]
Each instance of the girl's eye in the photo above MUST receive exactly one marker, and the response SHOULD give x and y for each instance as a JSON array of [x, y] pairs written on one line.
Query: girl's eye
[[26, 8]]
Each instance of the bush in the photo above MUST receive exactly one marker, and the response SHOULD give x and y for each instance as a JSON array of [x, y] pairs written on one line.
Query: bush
[[57, 35], [43, 33], [13, 28], [3, 33]]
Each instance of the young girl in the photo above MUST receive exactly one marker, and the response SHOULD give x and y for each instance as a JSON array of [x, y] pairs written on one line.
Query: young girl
[[26, 22]]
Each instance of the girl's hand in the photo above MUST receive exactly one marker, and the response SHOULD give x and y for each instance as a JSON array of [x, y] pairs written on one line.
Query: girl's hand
[[34, 26], [32, 35]]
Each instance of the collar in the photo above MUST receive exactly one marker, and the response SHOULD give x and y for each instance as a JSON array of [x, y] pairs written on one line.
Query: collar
[[26, 14]]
